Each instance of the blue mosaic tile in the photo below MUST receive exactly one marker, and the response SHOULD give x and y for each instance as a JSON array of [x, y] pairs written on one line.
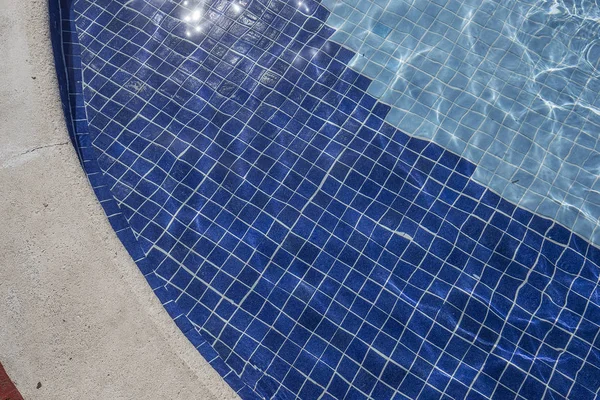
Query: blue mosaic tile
[[305, 246]]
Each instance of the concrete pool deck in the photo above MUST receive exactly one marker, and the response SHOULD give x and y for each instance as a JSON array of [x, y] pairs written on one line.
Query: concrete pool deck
[[77, 318]]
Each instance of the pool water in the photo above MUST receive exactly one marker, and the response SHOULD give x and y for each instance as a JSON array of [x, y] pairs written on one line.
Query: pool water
[[353, 199], [512, 86]]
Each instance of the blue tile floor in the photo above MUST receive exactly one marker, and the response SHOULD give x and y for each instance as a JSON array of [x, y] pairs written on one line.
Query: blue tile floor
[[304, 244]]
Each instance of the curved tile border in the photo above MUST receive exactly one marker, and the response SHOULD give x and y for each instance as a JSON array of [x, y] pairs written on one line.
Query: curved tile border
[[68, 63]]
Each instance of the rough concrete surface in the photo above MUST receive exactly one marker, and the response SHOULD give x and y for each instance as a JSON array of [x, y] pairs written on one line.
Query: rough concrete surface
[[76, 315]]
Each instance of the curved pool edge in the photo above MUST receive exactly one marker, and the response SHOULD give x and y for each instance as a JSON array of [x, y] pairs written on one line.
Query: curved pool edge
[[78, 320], [65, 46]]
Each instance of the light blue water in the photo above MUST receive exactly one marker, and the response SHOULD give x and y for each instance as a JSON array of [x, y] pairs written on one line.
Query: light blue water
[[513, 86]]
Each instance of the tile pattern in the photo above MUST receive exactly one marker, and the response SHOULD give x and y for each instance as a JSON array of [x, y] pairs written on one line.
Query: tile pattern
[[306, 246], [513, 86], [68, 65]]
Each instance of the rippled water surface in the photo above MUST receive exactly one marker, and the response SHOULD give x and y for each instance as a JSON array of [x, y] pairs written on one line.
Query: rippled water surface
[[513, 86]]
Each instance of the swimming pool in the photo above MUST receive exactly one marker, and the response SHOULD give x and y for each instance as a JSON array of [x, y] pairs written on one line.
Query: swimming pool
[[353, 199]]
